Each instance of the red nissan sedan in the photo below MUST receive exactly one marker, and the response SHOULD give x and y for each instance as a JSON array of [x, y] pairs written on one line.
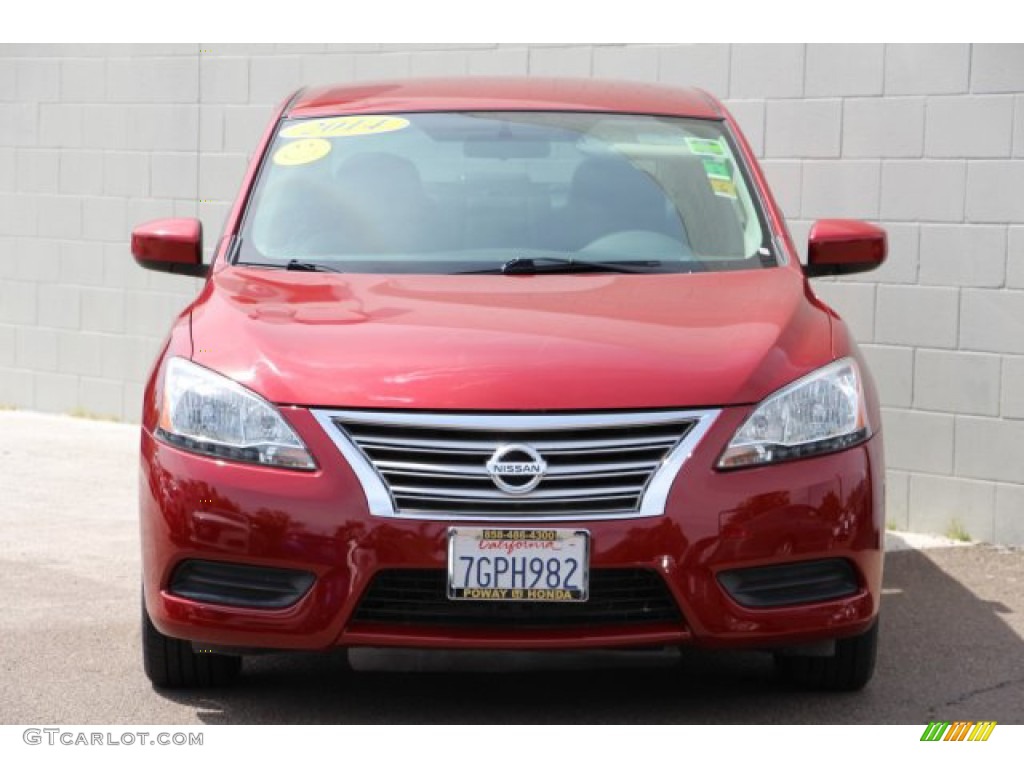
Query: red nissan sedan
[[509, 364]]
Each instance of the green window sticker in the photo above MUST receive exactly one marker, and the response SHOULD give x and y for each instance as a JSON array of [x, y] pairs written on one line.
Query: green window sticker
[[717, 169], [711, 147]]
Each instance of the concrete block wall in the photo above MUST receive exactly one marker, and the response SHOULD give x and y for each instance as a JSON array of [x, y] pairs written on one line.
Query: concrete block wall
[[926, 139]]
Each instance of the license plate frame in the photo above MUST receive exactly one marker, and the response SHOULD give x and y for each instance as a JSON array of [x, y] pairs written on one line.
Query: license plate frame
[[560, 544]]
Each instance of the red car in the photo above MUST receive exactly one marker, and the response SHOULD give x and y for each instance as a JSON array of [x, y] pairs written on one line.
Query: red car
[[509, 364]]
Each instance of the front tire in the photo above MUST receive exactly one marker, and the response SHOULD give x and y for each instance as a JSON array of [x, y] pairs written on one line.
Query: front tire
[[849, 669], [171, 663]]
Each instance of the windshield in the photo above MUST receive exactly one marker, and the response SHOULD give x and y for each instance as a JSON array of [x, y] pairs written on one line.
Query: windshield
[[473, 191]]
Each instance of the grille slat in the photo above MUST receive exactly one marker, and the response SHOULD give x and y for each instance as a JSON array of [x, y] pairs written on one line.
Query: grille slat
[[419, 598], [597, 465]]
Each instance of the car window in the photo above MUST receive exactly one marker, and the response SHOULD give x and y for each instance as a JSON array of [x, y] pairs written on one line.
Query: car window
[[468, 191]]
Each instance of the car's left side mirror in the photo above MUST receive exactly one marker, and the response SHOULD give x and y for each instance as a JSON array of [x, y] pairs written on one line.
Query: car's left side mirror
[[844, 246], [170, 245]]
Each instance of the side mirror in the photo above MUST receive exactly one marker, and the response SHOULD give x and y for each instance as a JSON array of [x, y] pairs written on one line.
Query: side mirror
[[844, 246], [170, 245]]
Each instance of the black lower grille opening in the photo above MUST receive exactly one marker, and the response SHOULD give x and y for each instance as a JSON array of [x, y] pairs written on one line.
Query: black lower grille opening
[[249, 586], [419, 598], [791, 584]]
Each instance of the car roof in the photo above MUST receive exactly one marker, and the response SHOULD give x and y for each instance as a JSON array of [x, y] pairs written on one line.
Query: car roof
[[503, 94]]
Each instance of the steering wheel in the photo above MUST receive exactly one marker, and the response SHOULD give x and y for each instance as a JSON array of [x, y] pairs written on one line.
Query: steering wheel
[[640, 243]]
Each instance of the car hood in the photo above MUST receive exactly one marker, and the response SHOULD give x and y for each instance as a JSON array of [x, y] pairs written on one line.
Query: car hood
[[524, 342]]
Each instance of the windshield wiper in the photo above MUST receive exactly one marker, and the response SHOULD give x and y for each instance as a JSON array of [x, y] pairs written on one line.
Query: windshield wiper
[[550, 265], [308, 266]]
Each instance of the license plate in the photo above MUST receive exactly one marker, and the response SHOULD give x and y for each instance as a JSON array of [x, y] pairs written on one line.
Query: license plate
[[517, 564]]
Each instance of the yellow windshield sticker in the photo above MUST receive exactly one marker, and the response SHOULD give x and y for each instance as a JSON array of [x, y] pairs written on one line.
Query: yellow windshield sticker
[[354, 125], [302, 152], [723, 188]]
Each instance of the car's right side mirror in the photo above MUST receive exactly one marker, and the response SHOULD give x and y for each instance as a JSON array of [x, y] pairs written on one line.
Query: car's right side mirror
[[844, 246]]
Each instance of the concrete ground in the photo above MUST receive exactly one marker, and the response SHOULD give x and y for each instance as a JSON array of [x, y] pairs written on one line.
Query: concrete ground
[[951, 644]]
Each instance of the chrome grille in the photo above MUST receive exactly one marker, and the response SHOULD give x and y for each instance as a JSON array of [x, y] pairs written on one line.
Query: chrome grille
[[434, 466]]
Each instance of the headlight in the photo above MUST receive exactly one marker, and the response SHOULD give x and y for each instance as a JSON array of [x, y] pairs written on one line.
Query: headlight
[[820, 413], [207, 413]]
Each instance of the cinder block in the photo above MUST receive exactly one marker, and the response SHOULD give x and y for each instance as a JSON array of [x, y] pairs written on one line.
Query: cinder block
[[917, 68], [963, 255], [893, 371], [59, 216], [243, 127], [918, 441], [8, 166], [80, 172], [19, 124], [223, 80], [106, 126], [59, 306], [989, 449], [140, 80], [855, 304], [35, 349], [499, 62], [38, 80], [785, 178], [992, 321], [997, 68], [925, 190], [774, 70], [38, 170], [132, 402], [700, 65], [897, 499], [150, 314], [105, 218], [626, 62], [750, 116], [989, 195], [102, 310], [60, 125], [803, 128], [83, 80], [901, 263], [211, 128], [18, 215], [381, 66], [55, 392], [308, 48], [16, 388], [155, 127], [969, 126], [126, 174], [81, 262], [80, 353], [220, 176], [174, 175], [438, 64], [101, 397], [844, 70], [840, 189], [1009, 517], [943, 505], [36, 260], [883, 127], [916, 316], [142, 209], [574, 61], [956, 382], [1018, 126], [1012, 405], [120, 269], [6, 347], [8, 81]]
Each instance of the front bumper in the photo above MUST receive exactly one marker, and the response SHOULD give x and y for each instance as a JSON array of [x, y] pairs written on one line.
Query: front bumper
[[197, 508]]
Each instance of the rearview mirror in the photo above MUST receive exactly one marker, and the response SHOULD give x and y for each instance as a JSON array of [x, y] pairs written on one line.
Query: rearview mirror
[[170, 245], [843, 247]]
